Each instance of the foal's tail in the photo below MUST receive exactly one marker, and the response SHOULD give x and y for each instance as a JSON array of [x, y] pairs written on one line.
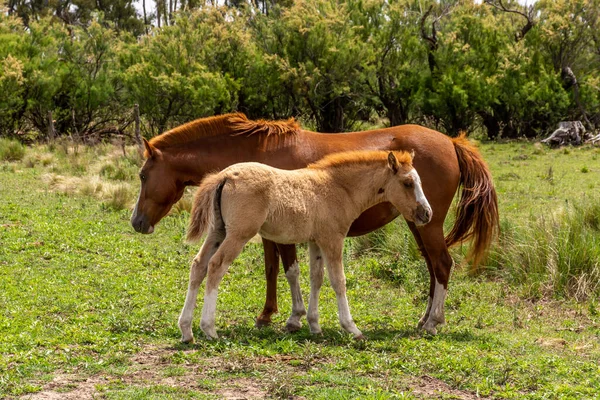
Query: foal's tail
[[477, 209], [206, 209]]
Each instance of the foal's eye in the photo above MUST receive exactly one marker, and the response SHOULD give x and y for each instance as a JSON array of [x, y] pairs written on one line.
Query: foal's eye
[[409, 185]]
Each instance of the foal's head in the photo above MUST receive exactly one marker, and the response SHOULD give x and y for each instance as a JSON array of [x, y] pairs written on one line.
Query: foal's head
[[403, 188], [159, 191]]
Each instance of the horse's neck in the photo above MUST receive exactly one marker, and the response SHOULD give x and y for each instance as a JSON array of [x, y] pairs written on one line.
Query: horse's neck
[[205, 155]]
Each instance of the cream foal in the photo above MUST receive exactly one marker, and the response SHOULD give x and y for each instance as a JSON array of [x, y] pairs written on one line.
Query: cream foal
[[316, 204]]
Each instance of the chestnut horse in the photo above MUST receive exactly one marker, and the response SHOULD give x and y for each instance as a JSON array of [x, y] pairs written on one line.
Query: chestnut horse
[[316, 204], [184, 155]]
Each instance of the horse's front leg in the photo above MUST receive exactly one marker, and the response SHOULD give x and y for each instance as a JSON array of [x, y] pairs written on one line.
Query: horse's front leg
[[417, 236], [441, 262], [197, 274], [271, 272], [292, 273], [217, 267], [335, 268]]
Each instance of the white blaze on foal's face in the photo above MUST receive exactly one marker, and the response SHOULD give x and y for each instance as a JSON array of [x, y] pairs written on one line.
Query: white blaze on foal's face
[[406, 192]]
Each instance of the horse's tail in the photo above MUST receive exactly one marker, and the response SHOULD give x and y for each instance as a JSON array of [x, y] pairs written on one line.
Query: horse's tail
[[477, 209], [206, 209]]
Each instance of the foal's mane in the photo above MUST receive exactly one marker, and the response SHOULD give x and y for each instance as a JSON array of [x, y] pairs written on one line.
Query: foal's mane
[[234, 124], [360, 157]]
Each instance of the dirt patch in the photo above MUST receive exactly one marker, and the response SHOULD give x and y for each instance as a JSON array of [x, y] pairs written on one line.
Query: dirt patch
[[69, 387], [149, 367], [432, 388]]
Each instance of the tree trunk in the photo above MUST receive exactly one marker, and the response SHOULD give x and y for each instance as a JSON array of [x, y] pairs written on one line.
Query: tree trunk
[[138, 137], [51, 133], [145, 17], [331, 118]]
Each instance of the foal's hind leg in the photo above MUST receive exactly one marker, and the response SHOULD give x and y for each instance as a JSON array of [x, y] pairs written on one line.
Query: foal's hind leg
[[292, 273], [417, 235], [197, 274], [316, 281], [217, 267], [432, 236], [335, 268]]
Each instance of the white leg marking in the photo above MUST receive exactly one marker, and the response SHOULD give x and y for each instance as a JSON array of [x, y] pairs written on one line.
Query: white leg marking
[[338, 282], [426, 315], [298, 309], [208, 314], [436, 315]]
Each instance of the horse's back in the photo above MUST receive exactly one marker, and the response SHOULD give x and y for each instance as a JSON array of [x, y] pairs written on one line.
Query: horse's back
[[435, 160]]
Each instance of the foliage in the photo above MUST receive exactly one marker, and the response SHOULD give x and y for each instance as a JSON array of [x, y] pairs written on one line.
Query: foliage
[[11, 150], [334, 64]]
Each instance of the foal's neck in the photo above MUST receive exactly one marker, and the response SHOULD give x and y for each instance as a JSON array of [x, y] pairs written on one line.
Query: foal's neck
[[363, 183]]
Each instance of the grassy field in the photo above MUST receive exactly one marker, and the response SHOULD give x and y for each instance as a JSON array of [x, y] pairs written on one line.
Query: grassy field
[[89, 308]]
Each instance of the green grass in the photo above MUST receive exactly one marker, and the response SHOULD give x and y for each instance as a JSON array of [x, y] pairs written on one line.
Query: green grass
[[87, 306]]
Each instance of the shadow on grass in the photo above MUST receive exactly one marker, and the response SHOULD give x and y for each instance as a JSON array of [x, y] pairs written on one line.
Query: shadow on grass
[[379, 339]]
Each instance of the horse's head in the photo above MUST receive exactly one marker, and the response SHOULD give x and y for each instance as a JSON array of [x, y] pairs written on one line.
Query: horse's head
[[159, 191], [404, 189]]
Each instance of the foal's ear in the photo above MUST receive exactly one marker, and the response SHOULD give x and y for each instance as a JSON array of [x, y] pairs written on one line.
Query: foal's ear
[[412, 154], [393, 162], [150, 150]]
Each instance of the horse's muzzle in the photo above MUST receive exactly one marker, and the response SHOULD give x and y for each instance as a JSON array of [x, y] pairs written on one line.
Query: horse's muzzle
[[141, 224], [423, 214]]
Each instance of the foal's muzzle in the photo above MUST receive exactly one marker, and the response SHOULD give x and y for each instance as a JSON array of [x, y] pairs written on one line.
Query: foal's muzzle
[[423, 214]]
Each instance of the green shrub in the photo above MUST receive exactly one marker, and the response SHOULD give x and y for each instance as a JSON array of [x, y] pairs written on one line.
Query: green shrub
[[11, 150], [556, 255]]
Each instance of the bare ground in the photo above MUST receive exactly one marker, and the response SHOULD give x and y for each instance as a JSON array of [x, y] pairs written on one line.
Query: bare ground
[[149, 365]]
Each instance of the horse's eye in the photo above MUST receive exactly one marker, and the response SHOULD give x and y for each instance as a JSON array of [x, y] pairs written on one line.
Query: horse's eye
[[409, 185], [142, 177]]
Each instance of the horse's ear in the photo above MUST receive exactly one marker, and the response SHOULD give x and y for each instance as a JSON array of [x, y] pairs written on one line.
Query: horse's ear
[[393, 162], [150, 150]]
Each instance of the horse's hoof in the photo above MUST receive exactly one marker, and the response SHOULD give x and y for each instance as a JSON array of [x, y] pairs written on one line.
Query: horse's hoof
[[261, 323]]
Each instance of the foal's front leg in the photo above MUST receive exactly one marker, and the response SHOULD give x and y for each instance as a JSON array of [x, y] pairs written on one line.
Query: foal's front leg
[[316, 281], [335, 268], [197, 274]]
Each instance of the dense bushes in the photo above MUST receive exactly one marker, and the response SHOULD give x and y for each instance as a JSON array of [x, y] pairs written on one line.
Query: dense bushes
[[454, 66]]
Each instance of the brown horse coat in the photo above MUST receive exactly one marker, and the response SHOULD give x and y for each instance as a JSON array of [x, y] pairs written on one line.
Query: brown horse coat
[[184, 155]]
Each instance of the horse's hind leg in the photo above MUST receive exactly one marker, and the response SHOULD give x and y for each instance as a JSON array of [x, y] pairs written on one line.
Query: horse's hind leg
[[271, 272], [316, 281], [197, 274], [417, 235], [217, 267], [441, 261], [335, 268], [292, 273]]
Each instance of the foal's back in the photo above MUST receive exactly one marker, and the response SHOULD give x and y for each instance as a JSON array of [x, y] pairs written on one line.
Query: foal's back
[[279, 204]]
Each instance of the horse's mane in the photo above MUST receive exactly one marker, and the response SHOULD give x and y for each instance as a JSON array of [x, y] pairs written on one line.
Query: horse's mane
[[360, 157], [234, 124]]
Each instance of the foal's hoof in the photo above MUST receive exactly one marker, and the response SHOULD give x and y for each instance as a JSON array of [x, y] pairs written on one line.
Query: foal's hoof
[[360, 338], [292, 327], [188, 340]]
